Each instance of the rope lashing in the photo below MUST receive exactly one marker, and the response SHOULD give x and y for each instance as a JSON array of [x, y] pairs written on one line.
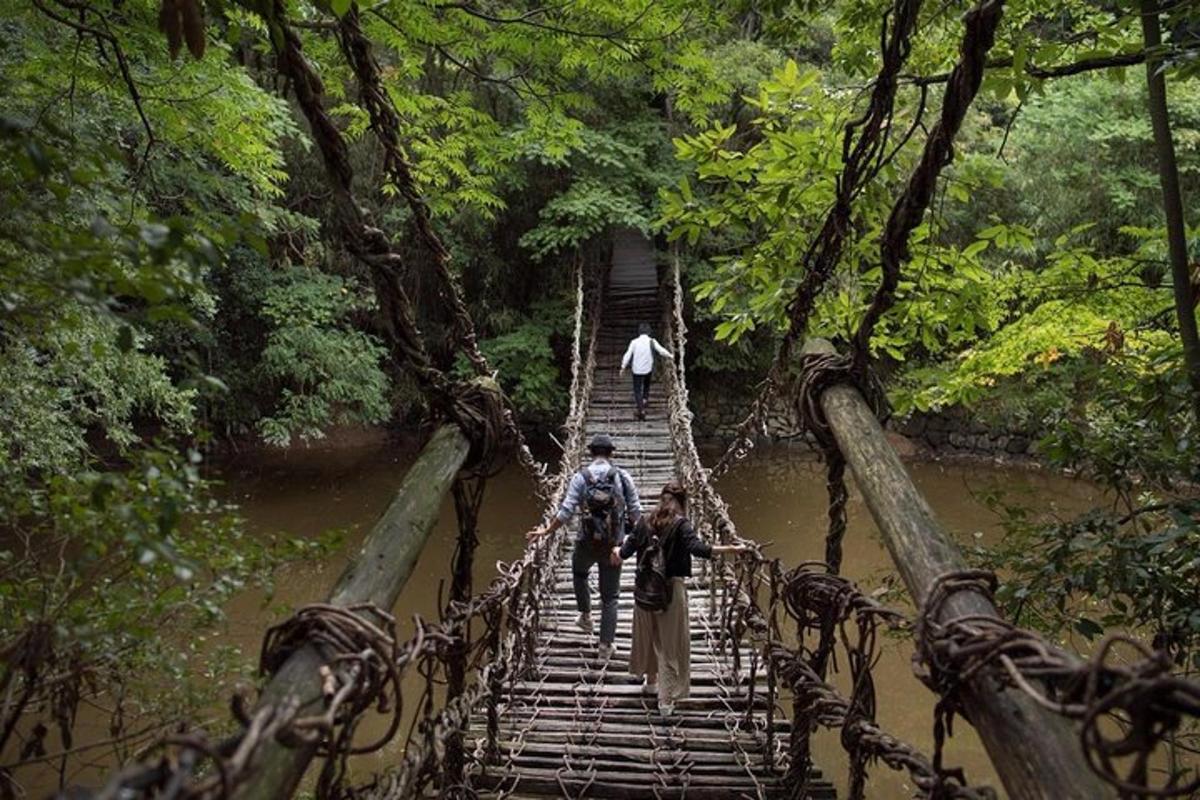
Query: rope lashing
[[478, 408], [818, 372], [841, 614], [1141, 693], [362, 666]]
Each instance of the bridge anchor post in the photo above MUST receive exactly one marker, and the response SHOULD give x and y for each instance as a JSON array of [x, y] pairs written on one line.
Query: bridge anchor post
[[375, 576], [1037, 754]]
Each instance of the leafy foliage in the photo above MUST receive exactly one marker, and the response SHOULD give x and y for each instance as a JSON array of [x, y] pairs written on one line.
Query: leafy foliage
[[329, 373], [524, 358], [1105, 571], [168, 273], [1034, 293]]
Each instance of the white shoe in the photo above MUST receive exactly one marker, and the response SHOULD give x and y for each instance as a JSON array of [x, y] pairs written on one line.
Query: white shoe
[[606, 651], [649, 688], [666, 709], [584, 623]]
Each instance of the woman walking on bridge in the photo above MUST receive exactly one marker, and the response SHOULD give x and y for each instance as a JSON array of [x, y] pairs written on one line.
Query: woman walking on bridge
[[664, 544]]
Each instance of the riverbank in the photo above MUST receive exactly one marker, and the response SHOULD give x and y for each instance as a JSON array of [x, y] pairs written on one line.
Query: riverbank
[[953, 435]]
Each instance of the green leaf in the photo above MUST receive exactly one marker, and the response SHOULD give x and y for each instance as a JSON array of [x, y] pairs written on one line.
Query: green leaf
[[975, 248]]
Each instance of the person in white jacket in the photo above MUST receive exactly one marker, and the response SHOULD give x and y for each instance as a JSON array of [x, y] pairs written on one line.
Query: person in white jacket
[[640, 356]]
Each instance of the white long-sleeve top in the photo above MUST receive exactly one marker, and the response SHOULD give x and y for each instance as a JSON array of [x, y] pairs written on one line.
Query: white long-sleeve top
[[641, 353]]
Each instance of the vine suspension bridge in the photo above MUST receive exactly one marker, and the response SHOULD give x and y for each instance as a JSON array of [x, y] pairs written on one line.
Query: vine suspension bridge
[[518, 703], [579, 725]]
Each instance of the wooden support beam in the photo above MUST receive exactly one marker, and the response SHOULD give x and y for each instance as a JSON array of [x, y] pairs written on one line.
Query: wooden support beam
[[376, 575], [1036, 752]]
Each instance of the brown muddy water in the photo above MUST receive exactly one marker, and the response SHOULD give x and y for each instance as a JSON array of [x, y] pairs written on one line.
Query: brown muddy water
[[778, 496]]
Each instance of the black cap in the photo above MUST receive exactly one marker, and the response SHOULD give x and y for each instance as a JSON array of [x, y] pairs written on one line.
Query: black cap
[[601, 443]]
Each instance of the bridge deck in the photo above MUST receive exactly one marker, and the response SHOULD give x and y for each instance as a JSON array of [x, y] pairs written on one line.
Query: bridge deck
[[583, 727]]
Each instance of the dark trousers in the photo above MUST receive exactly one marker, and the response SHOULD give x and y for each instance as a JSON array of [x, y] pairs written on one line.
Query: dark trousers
[[585, 555], [641, 390]]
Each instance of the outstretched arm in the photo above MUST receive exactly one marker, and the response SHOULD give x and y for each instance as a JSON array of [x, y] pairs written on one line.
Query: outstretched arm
[[702, 549], [692, 541], [662, 351], [565, 511]]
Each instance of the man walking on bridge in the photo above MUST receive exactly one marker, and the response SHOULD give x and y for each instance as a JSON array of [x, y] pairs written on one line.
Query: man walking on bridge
[[640, 355], [608, 502]]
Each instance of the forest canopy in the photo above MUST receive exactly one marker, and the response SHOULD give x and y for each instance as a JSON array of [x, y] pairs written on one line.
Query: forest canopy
[[176, 276]]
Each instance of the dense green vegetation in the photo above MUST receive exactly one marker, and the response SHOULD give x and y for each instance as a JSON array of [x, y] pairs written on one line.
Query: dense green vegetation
[[172, 278]]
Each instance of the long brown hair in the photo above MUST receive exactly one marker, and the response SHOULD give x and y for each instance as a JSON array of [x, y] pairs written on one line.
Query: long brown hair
[[665, 514]]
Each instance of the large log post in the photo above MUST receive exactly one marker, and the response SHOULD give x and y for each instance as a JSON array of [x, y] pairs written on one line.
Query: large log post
[[1036, 752], [376, 575]]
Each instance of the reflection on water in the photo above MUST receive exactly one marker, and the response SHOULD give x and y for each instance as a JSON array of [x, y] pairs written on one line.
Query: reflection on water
[[777, 495]]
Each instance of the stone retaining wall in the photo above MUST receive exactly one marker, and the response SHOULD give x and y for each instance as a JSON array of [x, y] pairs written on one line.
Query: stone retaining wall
[[718, 413], [955, 430]]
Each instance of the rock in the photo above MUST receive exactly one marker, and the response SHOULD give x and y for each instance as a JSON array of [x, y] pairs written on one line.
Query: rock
[[1017, 445], [901, 444]]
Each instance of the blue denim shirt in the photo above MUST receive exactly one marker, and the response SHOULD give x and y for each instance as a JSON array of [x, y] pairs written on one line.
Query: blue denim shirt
[[599, 468]]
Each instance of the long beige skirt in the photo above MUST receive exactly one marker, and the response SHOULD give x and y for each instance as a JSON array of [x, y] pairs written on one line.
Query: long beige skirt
[[662, 645]]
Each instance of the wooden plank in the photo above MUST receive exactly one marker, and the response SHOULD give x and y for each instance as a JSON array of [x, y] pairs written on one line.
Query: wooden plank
[[637, 757], [698, 726]]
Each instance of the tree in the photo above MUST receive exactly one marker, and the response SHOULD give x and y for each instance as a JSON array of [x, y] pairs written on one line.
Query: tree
[[1168, 171]]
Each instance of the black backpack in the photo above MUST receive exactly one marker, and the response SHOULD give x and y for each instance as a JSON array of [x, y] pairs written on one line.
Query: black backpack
[[651, 586], [603, 508]]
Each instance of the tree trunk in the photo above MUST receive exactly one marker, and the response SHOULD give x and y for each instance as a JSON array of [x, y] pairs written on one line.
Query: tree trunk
[[376, 575], [1168, 175], [1036, 753]]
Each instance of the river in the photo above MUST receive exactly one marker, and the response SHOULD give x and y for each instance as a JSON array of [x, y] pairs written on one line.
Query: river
[[777, 496]]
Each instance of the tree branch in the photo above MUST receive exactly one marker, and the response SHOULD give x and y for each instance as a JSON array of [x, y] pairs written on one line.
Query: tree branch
[[1045, 73]]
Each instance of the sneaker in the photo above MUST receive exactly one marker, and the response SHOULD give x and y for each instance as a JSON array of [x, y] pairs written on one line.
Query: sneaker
[[649, 688], [584, 623], [606, 651], [666, 709]]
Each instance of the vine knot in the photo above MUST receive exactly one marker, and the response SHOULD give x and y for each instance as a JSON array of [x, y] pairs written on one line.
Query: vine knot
[[478, 408], [820, 371], [360, 670], [1139, 694]]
